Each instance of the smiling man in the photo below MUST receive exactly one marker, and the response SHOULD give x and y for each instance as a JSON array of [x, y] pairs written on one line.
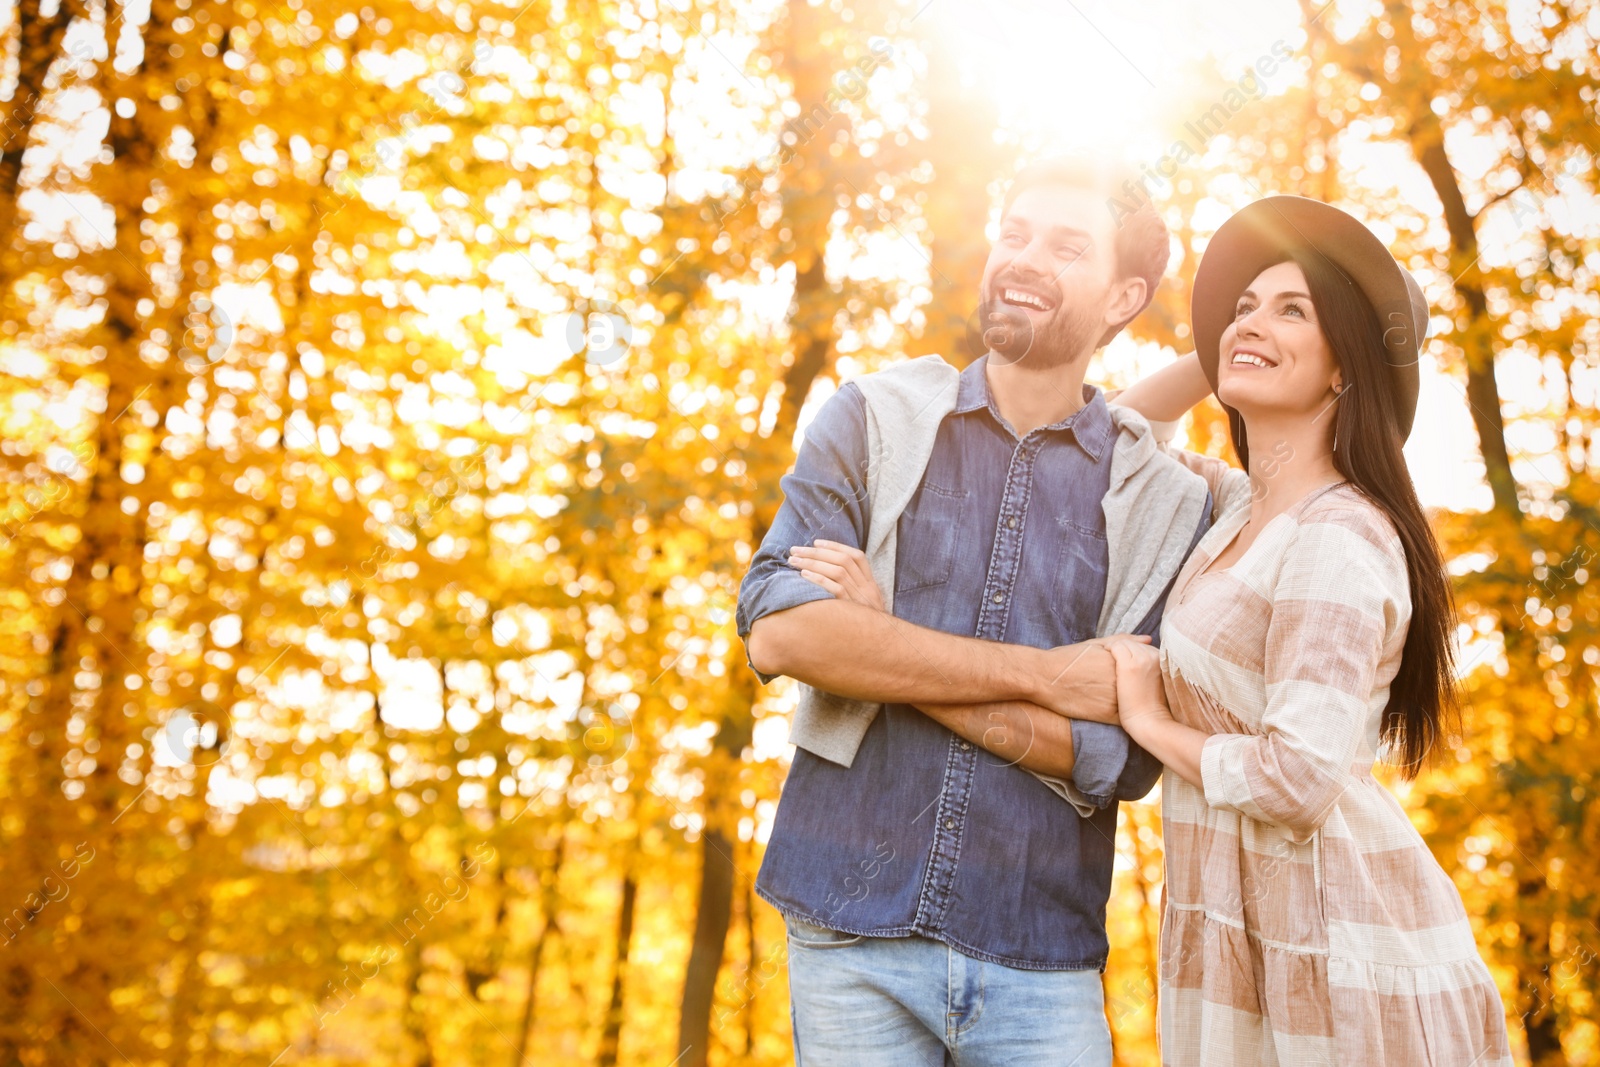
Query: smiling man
[[943, 850]]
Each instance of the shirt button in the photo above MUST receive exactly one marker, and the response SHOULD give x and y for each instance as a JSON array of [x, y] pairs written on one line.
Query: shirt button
[[949, 824], [1011, 523], [999, 598]]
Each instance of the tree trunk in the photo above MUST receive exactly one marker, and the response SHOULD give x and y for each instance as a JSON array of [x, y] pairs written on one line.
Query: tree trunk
[[810, 320], [413, 1019], [1540, 1020], [752, 979], [1544, 1039], [549, 904], [96, 628], [611, 1033], [1483, 393], [713, 913], [38, 47], [484, 967], [807, 207]]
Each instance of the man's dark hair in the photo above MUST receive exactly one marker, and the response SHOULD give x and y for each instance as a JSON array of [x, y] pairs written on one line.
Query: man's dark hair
[[1143, 244]]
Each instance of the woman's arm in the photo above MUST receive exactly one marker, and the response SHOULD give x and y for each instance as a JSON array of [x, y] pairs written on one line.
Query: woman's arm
[[1166, 396], [1170, 392], [1333, 602], [1142, 706]]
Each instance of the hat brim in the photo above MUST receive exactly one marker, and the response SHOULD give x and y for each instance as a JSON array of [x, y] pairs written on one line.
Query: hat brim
[[1263, 234]]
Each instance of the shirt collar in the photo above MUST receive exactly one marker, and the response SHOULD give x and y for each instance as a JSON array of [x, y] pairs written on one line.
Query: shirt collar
[[1090, 426]]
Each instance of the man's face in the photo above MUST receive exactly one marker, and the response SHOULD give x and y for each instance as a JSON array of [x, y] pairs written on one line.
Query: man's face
[[1050, 287]]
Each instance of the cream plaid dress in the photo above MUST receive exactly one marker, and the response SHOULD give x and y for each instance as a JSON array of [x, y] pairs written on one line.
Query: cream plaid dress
[[1304, 920]]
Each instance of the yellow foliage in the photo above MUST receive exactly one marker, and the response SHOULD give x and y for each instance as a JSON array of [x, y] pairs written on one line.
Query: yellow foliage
[[393, 396]]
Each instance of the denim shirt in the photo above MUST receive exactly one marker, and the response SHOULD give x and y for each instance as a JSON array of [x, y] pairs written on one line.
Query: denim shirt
[[926, 833]]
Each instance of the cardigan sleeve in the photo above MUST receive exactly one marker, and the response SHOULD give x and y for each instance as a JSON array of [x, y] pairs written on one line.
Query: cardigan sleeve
[[1230, 486]]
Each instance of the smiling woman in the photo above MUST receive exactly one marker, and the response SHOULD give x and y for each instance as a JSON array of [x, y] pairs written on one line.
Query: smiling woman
[[1309, 636], [1275, 328]]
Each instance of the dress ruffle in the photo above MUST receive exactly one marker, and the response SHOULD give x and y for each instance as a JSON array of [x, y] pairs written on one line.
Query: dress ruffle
[[1230, 999]]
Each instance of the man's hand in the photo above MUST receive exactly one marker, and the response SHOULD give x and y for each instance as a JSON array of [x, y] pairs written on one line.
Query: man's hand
[[1080, 681], [840, 569]]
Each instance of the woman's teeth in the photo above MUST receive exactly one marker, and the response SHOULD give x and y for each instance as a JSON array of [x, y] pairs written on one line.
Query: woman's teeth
[[1250, 358]]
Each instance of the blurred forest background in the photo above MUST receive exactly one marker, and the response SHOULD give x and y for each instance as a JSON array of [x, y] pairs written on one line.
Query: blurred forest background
[[392, 396]]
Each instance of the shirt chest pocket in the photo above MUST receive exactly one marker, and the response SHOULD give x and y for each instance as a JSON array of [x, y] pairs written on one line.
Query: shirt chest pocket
[[929, 531], [1078, 581]]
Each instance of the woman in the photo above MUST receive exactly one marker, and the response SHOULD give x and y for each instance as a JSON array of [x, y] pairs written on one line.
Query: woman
[[1304, 919]]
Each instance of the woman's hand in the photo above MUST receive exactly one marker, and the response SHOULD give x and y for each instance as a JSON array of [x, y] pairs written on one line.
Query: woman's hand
[[840, 569], [1141, 696]]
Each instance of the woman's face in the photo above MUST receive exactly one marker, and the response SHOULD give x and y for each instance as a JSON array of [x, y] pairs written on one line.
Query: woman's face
[[1275, 359]]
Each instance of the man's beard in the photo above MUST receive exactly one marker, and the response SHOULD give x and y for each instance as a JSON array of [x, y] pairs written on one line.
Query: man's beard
[[1009, 335]]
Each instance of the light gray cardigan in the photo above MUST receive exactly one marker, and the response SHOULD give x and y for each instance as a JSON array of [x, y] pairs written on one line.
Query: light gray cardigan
[[1152, 510]]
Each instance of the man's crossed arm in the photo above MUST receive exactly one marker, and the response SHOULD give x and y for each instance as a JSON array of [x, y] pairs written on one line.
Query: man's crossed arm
[[1010, 699], [836, 636]]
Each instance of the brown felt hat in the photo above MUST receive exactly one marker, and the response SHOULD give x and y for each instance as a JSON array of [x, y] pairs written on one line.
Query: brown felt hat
[[1263, 234]]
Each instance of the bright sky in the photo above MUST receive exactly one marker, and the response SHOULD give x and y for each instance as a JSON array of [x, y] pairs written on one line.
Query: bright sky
[[1090, 74]]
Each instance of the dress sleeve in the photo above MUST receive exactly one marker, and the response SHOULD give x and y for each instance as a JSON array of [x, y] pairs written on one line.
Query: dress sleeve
[[1340, 602]]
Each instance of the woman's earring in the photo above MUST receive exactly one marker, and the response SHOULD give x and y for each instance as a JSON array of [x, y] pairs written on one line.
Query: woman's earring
[[1338, 391]]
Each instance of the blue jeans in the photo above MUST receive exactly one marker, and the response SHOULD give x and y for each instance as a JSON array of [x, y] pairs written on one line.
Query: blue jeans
[[887, 1001]]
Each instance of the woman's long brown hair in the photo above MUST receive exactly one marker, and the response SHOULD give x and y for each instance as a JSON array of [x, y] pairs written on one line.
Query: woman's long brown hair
[[1423, 698]]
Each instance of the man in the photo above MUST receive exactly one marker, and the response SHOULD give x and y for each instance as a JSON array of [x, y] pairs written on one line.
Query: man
[[943, 851]]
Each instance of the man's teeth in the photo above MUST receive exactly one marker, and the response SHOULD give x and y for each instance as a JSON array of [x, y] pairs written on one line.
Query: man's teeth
[[1250, 358], [1017, 296]]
